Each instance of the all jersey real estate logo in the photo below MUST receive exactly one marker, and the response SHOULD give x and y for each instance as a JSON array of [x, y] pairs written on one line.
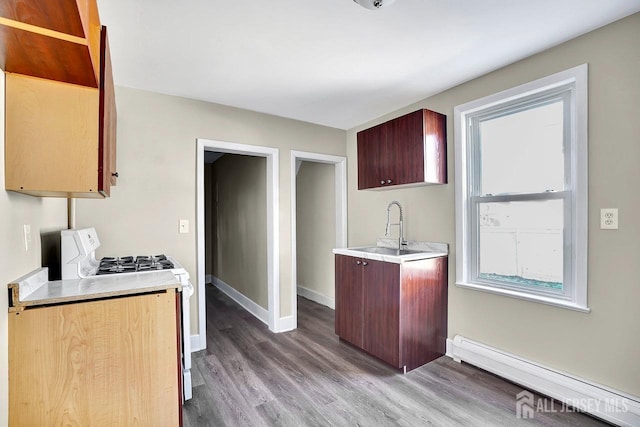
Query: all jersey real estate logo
[[527, 405]]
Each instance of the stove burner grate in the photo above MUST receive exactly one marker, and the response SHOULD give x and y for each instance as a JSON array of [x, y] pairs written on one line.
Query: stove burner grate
[[129, 264]]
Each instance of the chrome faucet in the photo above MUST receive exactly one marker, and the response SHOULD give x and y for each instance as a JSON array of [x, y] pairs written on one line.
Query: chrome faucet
[[401, 241]]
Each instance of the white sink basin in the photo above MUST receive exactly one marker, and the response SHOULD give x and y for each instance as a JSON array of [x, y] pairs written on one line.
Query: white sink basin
[[381, 253], [386, 251]]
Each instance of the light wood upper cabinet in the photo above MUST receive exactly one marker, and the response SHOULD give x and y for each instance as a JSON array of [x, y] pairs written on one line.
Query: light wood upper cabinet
[[52, 40], [60, 137], [408, 150], [107, 174]]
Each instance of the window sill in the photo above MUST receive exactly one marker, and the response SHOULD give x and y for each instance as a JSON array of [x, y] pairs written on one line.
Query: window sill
[[525, 296]]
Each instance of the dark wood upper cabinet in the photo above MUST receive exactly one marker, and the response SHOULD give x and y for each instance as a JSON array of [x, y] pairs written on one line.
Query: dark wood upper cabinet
[[395, 312], [371, 144], [51, 40], [408, 150]]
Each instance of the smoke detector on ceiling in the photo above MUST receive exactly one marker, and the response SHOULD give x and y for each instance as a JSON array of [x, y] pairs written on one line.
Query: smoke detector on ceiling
[[374, 4]]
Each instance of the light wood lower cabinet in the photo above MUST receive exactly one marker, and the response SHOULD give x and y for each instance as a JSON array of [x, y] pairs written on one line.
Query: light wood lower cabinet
[[105, 362]]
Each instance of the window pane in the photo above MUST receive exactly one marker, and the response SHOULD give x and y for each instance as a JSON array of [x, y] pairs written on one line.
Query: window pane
[[521, 243], [523, 152]]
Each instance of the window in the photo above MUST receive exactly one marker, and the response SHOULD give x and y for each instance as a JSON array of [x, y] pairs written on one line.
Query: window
[[521, 191]]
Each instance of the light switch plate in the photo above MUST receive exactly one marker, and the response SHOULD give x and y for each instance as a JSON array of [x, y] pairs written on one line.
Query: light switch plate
[[183, 226], [27, 237], [609, 219]]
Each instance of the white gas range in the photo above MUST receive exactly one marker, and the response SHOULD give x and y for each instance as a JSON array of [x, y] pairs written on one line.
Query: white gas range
[[78, 259]]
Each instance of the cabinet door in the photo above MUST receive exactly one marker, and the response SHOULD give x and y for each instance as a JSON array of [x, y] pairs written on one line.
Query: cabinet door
[[107, 135], [406, 149], [66, 117], [105, 362], [349, 309], [381, 286], [373, 161]]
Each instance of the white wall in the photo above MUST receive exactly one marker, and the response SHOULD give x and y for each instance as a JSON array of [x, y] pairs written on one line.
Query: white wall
[[601, 346], [316, 227], [157, 166], [44, 216]]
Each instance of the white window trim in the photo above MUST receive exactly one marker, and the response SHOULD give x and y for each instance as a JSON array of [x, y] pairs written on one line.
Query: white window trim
[[577, 75]]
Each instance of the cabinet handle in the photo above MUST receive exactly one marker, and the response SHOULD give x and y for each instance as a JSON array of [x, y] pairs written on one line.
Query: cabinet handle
[[114, 174], [358, 262], [389, 181], [364, 263]]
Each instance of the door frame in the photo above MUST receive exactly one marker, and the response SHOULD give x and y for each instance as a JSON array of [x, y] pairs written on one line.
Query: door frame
[[340, 164], [273, 231]]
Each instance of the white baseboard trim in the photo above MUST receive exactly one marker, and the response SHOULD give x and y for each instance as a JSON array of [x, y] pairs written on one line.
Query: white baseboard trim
[[259, 312], [196, 343], [208, 278], [449, 350], [316, 297], [600, 401], [286, 324]]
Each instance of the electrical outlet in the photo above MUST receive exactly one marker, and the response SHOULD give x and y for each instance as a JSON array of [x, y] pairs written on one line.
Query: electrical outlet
[[183, 226], [609, 219], [27, 237]]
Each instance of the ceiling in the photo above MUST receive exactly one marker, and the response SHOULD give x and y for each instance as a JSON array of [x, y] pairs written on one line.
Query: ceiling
[[332, 62]]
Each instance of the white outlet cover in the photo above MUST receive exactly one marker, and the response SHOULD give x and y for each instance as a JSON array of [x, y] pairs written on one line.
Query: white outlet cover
[[609, 219], [183, 226]]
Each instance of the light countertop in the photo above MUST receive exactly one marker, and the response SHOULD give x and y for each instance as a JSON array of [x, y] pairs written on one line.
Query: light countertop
[[420, 251], [34, 289]]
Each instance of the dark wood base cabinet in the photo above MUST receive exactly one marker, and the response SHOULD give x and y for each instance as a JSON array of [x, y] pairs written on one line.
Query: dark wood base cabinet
[[395, 312]]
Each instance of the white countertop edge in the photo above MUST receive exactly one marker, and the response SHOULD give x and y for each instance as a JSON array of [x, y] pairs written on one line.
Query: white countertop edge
[[396, 259], [59, 291]]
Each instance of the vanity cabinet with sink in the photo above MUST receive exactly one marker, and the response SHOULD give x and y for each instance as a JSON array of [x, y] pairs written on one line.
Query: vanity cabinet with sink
[[394, 309]]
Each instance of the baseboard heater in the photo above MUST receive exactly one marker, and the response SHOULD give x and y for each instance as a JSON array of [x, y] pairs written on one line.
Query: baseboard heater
[[600, 401]]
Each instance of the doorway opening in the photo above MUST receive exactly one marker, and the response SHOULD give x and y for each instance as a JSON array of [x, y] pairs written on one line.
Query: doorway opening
[[317, 268], [204, 146]]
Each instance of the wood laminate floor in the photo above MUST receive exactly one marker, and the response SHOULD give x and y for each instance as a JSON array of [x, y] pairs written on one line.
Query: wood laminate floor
[[249, 376]]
